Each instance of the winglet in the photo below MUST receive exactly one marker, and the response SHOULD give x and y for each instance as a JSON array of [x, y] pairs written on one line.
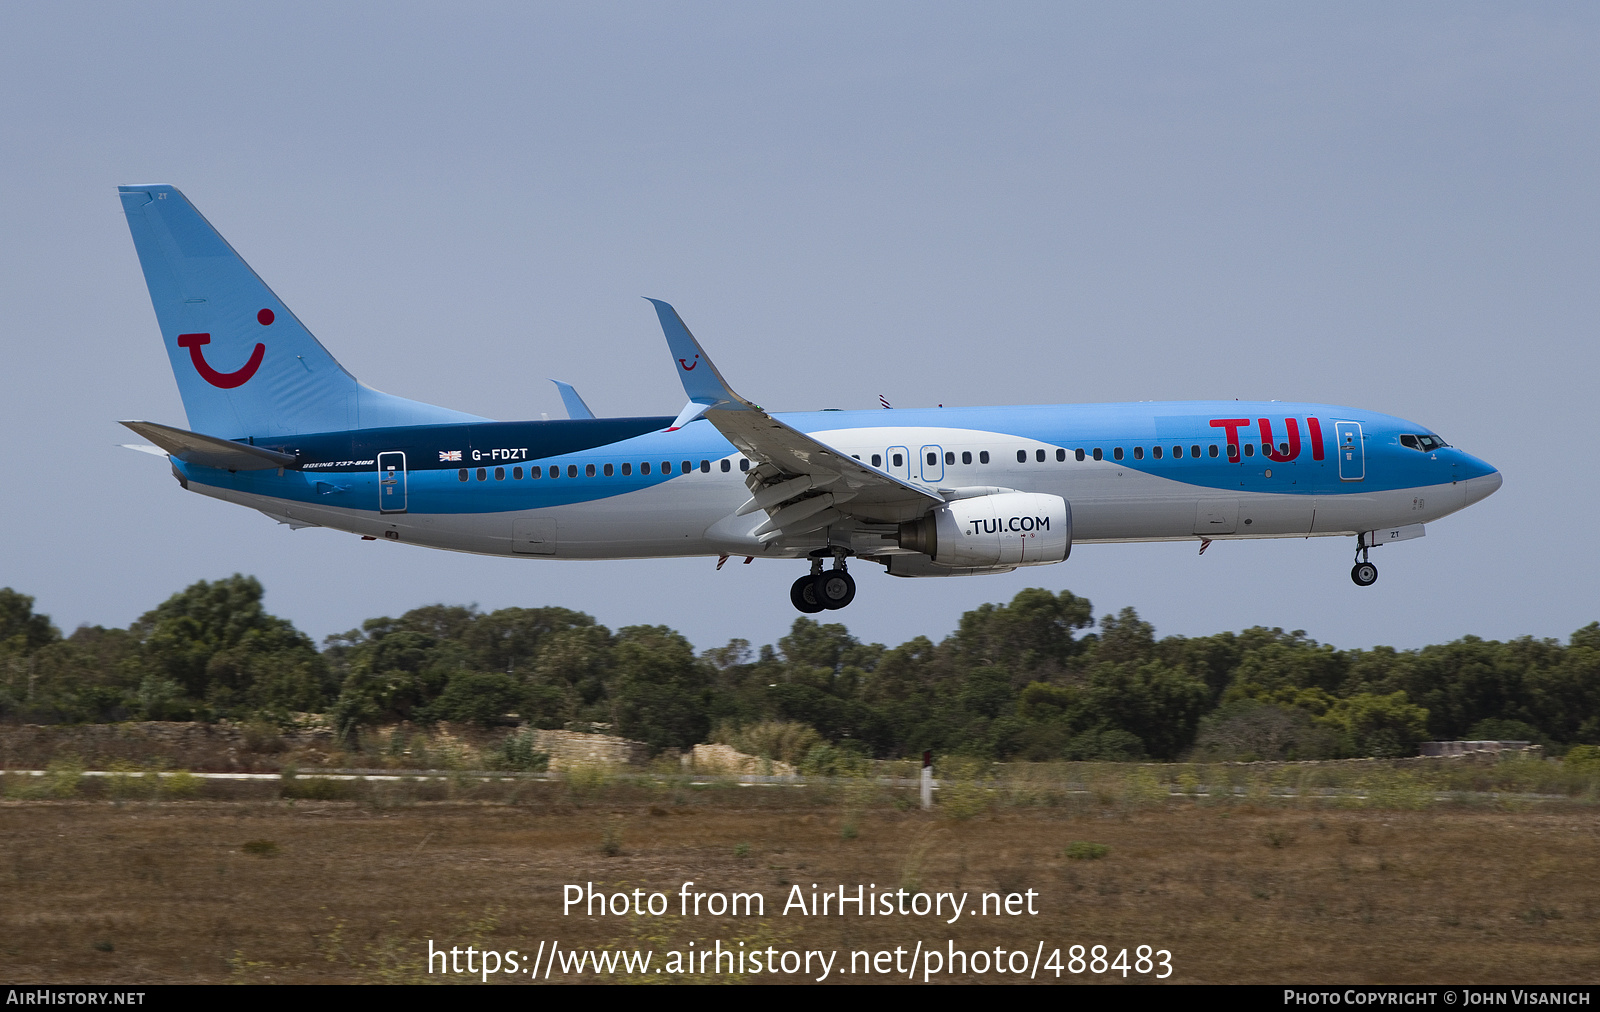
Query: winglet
[[701, 379], [575, 406]]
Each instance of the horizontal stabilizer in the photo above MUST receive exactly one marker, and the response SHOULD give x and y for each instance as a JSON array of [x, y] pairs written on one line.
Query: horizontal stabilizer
[[154, 451], [210, 451]]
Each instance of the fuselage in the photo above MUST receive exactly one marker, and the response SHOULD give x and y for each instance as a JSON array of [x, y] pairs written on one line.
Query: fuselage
[[627, 488]]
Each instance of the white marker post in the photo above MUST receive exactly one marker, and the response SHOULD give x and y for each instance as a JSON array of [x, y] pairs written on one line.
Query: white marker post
[[927, 780]]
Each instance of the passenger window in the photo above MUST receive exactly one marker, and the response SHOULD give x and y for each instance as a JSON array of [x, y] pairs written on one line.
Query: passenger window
[[572, 470], [499, 474], [966, 456], [705, 467], [1039, 456], [1078, 453], [877, 460], [608, 470], [1249, 449], [1283, 448], [1138, 453], [536, 472], [1177, 451], [688, 466], [627, 468], [727, 465], [983, 456], [588, 470], [1213, 450], [949, 457], [462, 474], [898, 460], [744, 464], [933, 459], [1117, 452], [1155, 451], [1098, 455], [1022, 456], [644, 467], [666, 467], [1233, 451], [516, 472], [1194, 451], [482, 474]]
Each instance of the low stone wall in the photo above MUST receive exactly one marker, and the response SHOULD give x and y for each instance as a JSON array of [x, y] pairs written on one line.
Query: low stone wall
[[235, 748], [1466, 748], [162, 744], [727, 759], [569, 748]]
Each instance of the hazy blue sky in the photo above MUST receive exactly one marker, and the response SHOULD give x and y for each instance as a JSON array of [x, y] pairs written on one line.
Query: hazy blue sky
[[1391, 206]]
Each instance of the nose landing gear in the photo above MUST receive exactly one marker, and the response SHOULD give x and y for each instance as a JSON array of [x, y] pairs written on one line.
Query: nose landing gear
[[821, 589], [1363, 573]]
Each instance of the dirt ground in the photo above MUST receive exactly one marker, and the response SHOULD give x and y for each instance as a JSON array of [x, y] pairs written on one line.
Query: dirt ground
[[122, 892]]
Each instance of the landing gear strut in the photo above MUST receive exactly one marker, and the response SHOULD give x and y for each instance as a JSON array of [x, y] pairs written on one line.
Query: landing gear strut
[[824, 589], [1364, 573]]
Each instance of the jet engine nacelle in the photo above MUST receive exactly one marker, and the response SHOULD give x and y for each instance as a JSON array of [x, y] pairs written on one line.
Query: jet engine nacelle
[[1005, 529]]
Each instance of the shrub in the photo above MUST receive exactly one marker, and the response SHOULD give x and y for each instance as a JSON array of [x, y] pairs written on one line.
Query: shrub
[[1082, 850], [516, 752], [181, 784], [586, 780], [785, 740], [825, 760], [1582, 759]]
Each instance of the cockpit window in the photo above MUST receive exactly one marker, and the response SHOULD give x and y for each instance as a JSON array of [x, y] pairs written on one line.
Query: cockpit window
[[1425, 443]]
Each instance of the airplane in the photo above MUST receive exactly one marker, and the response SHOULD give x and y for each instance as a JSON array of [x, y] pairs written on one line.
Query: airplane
[[278, 425]]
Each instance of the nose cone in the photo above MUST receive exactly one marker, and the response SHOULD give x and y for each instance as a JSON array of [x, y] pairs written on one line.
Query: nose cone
[[1481, 486]]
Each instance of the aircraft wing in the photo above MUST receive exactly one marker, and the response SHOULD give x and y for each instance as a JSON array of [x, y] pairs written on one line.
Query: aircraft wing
[[803, 483], [211, 451]]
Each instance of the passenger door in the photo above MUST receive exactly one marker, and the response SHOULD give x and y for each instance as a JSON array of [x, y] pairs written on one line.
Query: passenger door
[[392, 482], [1352, 451]]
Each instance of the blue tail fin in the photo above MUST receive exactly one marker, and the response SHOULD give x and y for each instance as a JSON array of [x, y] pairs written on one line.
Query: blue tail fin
[[245, 365]]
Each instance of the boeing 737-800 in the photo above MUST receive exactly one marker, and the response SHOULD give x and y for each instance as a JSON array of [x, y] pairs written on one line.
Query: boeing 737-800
[[276, 424]]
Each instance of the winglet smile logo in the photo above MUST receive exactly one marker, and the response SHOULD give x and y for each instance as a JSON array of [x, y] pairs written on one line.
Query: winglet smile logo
[[687, 367], [225, 380]]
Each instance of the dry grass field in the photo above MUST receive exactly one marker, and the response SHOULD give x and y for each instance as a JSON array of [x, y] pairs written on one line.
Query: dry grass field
[[253, 887]]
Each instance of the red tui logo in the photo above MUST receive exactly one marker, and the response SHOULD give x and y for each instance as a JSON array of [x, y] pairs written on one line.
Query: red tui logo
[[225, 380]]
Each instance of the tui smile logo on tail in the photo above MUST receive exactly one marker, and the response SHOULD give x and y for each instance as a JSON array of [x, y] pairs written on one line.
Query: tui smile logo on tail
[[689, 366], [225, 380]]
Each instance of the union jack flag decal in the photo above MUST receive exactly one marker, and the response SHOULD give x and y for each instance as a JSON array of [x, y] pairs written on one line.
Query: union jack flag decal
[[449, 455]]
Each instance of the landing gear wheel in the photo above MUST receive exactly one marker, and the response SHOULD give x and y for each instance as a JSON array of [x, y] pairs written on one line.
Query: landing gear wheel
[[1365, 574], [835, 588], [803, 594]]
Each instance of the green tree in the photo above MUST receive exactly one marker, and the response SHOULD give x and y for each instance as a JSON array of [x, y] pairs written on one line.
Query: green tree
[[219, 645], [659, 692]]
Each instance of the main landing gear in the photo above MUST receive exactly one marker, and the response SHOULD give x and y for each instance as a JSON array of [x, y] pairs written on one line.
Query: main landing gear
[[1364, 573], [824, 590]]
